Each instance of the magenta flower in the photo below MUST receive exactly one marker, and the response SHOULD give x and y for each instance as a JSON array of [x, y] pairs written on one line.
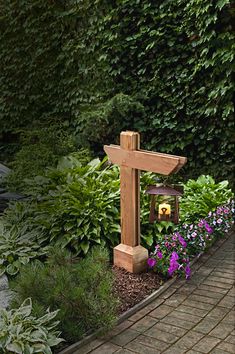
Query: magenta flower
[[182, 241], [187, 271], [159, 254], [208, 228], [151, 262], [174, 256]]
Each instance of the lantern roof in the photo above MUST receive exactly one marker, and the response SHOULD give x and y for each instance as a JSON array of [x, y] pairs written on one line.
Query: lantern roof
[[163, 190]]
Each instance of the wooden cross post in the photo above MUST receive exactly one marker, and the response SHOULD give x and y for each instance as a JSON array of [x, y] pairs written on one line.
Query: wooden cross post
[[129, 254]]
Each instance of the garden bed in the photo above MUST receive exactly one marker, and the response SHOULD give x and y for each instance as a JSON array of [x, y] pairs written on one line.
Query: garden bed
[[131, 288]]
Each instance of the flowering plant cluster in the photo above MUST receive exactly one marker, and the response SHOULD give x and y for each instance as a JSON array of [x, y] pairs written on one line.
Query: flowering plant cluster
[[170, 256], [173, 252]]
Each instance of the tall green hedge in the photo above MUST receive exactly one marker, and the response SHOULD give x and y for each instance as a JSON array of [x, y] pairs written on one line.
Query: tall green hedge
[[170, 62]]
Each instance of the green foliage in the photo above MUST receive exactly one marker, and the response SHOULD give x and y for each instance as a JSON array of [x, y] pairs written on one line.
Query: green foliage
[[17, 247], [73, 205], [176, 58], [41, 148], [21, 332], [121, 112], [82, 290], [202, 196], [163, 68]]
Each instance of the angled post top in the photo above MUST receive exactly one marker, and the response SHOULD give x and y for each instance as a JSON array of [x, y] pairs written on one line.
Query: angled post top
[[127, 155]]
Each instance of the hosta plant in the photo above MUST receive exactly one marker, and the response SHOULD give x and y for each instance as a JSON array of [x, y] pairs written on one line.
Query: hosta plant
[[21, 332], [202, 196], [17, 248]]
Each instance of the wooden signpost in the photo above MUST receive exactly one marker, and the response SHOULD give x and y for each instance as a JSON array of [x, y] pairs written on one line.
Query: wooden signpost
[[129, 254]]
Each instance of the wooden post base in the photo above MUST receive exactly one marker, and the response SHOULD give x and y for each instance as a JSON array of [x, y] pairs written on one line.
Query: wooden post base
[[133, 259]]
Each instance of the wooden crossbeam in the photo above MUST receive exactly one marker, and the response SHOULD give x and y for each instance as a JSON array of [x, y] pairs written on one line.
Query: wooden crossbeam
[[145, 160]]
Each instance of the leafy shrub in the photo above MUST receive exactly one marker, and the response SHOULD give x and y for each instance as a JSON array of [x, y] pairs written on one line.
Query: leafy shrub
[[202, 196], [82, 290], [41, 148], [21, 332], [73, 205], [18, 247]]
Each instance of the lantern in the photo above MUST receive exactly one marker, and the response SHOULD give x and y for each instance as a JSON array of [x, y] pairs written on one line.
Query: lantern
[[165, 210]]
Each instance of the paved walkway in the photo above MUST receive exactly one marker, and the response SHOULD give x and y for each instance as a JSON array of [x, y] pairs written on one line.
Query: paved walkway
[[193, 317]]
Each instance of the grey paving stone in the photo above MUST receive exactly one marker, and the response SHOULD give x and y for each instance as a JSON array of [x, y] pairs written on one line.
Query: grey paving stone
[[192, 310], [217, 273], [174, 350], [186, 316], [227, 301], [208, 293], [164, 327], [189, 339], [119, 328], [230, 318], [123, 351], [205, 299], [144, 323], [218, 312], [106, 348], [162, 336], [161, 311], [124, 337], [141, 348], [138, 315], [222, 280], [178, 323], [222, 330], [206, 344], [206, 325], [213, 289], [230, 339], [152, 342], [198, 304], [175, 300], [227, 347]]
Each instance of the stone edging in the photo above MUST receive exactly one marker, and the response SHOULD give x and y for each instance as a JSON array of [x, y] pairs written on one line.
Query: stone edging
[[143, 303]]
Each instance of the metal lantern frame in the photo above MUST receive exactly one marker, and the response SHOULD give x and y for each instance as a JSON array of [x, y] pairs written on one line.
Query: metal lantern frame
[[164, 190]]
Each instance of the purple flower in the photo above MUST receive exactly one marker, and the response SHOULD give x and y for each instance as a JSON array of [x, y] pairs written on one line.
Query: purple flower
[[151, 262], [219, 221], [159, 254], [208, 228], [182, 241], [187, 271], [201, 223], [174, 256]]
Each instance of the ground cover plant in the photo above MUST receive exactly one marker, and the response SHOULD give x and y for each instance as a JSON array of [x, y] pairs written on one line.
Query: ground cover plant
[[80, 289], [22, 332]]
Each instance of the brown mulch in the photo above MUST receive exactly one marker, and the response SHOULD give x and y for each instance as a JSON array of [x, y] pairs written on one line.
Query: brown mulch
[[133, 288]]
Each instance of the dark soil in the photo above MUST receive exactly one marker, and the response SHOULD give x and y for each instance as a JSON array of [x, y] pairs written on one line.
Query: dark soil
[[133, 288]]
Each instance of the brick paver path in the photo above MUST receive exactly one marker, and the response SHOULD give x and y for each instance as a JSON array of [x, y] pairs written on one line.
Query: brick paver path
[[193, 317]]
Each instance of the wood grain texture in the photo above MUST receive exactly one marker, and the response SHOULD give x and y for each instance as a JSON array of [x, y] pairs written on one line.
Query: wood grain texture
[[145, 160]]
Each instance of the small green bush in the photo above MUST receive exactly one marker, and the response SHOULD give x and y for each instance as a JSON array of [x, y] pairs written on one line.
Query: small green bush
[[21, 332], [82, 290], [41, 147], [202, 196]]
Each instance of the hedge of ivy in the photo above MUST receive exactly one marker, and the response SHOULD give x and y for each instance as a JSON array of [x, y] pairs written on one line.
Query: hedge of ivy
[[161, 67]]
